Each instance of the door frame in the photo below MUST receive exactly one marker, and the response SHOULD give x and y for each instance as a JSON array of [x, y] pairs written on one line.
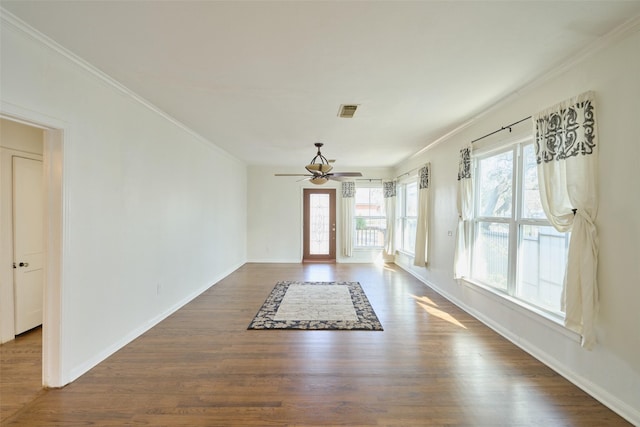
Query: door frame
[[56, 133], [306, 256]]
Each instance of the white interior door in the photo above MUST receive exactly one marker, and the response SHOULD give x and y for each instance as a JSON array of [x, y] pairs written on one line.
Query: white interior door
[[27, 243]]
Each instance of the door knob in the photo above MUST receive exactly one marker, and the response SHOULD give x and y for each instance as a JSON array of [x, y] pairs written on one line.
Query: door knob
[[24, 264]]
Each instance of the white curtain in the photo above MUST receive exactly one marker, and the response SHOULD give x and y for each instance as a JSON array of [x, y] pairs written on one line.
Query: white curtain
[[465, 214], [567, 156], [422, 229], [348, 192], [389, 190]]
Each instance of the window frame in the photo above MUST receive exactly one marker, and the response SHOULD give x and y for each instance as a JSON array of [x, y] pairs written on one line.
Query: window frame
[[368, 185], [515, 223], [402, 217]]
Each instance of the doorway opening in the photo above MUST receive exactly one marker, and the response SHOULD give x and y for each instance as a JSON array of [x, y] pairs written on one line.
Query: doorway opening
[[32, 181], [319, 242]]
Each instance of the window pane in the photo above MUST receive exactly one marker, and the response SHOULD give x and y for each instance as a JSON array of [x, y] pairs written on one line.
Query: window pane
[[409, 235], [400, 198], [532, 207], [491, 254], [412, 199], [319, 224], [369, 202], [399, 233], [370, 232], [495, 185], [541, 265]]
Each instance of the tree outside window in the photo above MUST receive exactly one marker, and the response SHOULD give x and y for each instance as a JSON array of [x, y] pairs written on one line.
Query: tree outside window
[[515, 250]]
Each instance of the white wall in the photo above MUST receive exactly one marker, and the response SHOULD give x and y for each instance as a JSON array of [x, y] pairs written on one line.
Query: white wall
[[274, 223], [152, 214], [611, 372]]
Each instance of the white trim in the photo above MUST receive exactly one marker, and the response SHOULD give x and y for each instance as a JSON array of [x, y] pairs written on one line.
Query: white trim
[[15, 23], [401, 210], [487, 150], [535, 313], [274, 261], [348, 260], [56, 240], [405, 253], [627, 28], [621, 408], [22, 122], [514, 221]]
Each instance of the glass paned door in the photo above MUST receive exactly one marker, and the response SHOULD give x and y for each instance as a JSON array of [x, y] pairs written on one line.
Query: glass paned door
[[319, 225]]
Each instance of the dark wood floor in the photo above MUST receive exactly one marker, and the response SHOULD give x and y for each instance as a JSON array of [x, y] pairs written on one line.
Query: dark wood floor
[[20, 372], [433, 365]]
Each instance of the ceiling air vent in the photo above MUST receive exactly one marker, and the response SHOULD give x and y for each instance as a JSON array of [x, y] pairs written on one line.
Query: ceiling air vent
[[347, 111]]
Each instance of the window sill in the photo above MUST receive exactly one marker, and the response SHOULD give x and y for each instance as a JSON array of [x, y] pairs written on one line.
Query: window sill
[[405, 253], [539, 315]]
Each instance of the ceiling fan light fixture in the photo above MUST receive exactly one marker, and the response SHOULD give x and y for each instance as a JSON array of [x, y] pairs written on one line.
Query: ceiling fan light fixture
[[320, 170], [319, 180], [319, 164], [319, 167]]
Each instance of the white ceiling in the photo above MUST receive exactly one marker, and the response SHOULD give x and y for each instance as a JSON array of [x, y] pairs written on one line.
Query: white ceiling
[[264, 80]]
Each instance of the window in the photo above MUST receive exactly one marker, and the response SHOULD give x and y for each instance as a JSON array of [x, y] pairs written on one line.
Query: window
[[515, 250], [407, 202], [370, 221]]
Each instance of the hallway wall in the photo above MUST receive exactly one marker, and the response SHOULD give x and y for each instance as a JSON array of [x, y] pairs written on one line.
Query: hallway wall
[[152, 214]]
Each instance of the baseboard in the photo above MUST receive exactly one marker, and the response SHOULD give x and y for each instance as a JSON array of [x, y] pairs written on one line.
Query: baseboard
[[275, 261], [85, 367], [621, 408]]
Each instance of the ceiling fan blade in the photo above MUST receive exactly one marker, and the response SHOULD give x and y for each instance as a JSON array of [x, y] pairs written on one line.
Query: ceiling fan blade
[[344, 174], [291, 174]]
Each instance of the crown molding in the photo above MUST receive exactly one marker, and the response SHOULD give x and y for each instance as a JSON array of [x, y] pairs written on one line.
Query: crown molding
[[621, 32], [9, 20]]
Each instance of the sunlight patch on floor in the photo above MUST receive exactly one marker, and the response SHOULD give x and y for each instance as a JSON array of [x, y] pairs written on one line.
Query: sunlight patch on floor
[[430, 307]]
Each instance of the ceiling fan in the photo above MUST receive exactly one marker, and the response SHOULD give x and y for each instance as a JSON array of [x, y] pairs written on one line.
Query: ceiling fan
[[320, 170]]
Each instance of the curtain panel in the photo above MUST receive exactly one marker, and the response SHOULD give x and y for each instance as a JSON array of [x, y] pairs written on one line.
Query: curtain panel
[[389, 191], [567, 155], [420, 258], [465, 214], [348, 193]]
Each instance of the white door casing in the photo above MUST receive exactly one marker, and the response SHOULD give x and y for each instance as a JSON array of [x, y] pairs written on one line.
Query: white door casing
[[28, 245], [56, 138]]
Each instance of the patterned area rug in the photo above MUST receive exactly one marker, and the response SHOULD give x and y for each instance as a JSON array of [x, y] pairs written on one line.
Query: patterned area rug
[[317, 305]]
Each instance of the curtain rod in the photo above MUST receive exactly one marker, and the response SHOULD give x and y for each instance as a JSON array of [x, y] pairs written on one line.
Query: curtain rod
[[407, 173], [369, 179], [501, 129]]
